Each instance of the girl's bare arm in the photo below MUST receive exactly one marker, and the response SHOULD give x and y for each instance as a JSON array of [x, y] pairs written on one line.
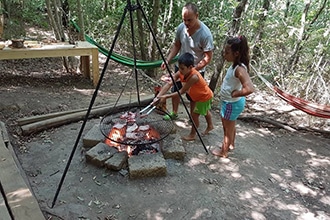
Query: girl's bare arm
[[247, 85]]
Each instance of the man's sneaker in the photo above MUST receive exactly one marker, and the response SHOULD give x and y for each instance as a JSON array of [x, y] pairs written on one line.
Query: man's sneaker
[[171, 116]]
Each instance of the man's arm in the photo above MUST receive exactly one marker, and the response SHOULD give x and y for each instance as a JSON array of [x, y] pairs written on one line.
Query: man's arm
[[162, 93], [205, 61], [173, 52]]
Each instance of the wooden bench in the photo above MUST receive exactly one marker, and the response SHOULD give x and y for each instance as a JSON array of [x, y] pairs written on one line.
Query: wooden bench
[[16, 197], [82, 48]]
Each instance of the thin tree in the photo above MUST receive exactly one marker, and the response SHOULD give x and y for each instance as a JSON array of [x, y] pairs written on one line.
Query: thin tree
[[84, 61], [141, 35], [303, 34], [55, 14], [260, 30], [234, 29], [2, 19]]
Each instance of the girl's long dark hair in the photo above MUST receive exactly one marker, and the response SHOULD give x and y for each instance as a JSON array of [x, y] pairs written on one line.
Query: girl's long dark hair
[[240, 44]]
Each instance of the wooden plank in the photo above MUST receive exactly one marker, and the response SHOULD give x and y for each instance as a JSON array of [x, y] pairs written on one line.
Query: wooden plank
[[20, 199], [37, 53], [3, 132], [4, 214]]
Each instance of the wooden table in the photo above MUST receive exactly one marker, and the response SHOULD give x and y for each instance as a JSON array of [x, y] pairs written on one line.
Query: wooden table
[[82, 48]]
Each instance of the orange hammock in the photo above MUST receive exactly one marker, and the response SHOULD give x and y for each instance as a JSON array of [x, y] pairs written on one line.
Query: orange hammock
[[322, 111]]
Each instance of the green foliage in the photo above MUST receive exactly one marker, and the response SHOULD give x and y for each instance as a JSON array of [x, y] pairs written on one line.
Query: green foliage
[[283, 35], [35, 14]]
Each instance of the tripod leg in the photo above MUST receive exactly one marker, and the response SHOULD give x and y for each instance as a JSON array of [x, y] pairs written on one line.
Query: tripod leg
[[131, 8], [88, 111], [169, 71]]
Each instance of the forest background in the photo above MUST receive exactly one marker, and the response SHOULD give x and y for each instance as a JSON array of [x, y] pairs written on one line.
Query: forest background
[[288, 38]]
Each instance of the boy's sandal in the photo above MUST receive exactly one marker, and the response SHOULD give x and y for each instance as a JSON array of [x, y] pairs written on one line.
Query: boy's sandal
[[171, 116]]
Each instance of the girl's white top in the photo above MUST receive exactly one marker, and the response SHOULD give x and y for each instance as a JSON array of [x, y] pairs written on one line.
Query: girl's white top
[[229, 84]]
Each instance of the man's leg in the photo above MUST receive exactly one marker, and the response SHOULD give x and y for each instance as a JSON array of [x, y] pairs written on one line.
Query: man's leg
[[175, 103]]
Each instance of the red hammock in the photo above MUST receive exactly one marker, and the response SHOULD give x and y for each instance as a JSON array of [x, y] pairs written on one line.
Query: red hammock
[[322, 111]]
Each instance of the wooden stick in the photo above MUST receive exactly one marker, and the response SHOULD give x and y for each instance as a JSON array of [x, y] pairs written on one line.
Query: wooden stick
[[73, 117], [33, 119], [4, 132], [263, 119]]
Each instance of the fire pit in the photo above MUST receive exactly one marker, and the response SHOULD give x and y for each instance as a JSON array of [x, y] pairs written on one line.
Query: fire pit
[[134, 132]]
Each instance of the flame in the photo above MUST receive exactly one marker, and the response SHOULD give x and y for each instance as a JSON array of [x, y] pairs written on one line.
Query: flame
[[116, 136], [129, 150], [152, 134]]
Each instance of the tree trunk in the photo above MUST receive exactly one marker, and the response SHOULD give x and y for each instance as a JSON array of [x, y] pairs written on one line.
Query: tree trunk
[[6, 7], [287, 6], [84, 61], [58, 14], [232, 31], [260, 30], [2, 20], [51, 16], [153, 47], [81, 24], [303, 35], [141, 35], [165, 25], [105, 7]]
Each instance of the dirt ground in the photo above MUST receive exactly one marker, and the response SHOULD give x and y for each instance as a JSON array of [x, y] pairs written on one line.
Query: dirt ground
[[273, 173]]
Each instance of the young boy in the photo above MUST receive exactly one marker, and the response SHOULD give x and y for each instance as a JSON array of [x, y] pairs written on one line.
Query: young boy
[[195, 85]]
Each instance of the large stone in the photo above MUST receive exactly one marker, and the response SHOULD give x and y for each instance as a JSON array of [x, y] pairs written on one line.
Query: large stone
[[117, 161], [147, 165], [93, 137], [99, 154], [174, 149]]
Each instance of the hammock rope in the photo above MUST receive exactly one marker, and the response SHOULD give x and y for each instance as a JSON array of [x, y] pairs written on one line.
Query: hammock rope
[[127, 61], [311, 108]]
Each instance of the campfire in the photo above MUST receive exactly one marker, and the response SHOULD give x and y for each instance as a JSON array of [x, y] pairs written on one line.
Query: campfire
[[135, 134]]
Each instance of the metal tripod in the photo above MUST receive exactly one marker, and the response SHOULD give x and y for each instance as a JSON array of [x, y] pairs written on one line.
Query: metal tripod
[[129, 7]]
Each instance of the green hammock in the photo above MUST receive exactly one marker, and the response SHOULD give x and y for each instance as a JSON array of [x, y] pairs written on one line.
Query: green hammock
[[140, 64]]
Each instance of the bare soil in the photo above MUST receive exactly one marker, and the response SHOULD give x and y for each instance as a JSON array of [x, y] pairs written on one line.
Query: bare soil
[[273, 173]]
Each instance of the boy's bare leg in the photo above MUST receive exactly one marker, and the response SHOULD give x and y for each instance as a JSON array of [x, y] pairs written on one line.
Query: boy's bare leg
[[209, 122], [192, 134], [192, 106]]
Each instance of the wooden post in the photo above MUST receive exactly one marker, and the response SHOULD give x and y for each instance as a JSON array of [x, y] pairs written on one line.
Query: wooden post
[[85, 66], [2, 23]]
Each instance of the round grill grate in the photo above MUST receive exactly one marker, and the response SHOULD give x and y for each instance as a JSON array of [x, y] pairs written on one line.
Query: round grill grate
[[135, 128]]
